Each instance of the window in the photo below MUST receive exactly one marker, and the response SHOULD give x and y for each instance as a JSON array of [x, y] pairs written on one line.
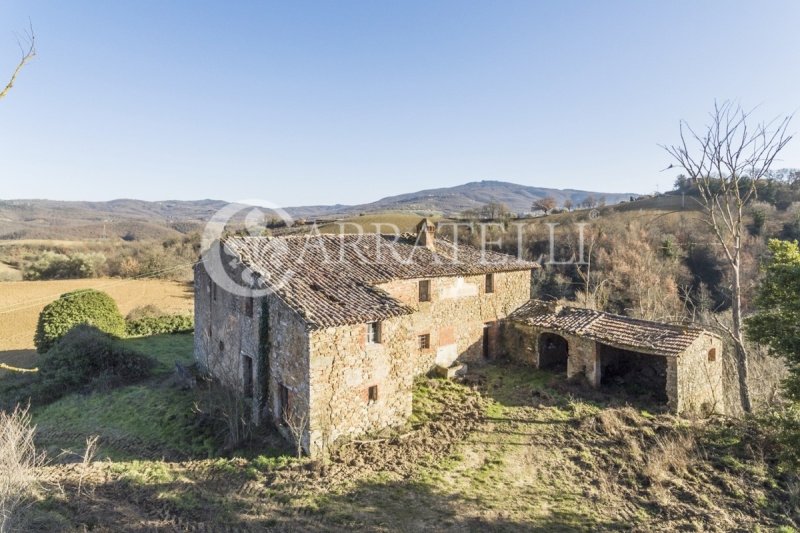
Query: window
[[374, 333], [247, 370], [712, 355], [285, 406], [425, 341], [425, 290], [489, 283], [372, 393], [248, 306], [221, 347]]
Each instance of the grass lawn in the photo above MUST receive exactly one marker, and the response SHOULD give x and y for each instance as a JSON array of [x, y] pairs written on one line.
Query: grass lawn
[[148, 419]]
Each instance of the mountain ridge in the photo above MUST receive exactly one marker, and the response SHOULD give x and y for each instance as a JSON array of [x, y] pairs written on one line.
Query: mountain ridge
[[48, 219]]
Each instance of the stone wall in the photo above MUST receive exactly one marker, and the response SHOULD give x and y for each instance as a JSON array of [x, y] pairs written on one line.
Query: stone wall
[[457, 313], [698, 380], [274, 338], [521, 343], [344, 366]]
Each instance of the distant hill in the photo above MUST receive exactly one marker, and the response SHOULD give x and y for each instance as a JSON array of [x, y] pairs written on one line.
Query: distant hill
[[453, 200], [141, 220]]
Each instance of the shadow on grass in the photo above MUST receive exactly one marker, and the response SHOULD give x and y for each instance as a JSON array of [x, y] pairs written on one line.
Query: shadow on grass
[[230, 499]]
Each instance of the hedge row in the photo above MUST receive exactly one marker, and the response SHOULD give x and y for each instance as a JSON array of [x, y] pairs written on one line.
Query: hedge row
[[155, 325]]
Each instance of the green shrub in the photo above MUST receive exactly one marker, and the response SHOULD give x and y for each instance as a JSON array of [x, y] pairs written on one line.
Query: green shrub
[[86, 356], [143, 311], [84, 306], [156, 325], [52, 265]]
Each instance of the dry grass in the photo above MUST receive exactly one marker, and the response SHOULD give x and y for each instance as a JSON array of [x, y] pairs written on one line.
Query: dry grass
[[405, 222], [19, 466], [44, 242], [22, 301]]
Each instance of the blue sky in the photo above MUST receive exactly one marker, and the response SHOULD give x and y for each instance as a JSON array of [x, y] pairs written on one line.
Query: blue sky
[[345, 102]]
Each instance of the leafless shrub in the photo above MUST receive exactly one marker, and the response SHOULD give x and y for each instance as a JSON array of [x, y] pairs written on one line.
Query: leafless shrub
[[86, 460], [19, 465], [296, 421]]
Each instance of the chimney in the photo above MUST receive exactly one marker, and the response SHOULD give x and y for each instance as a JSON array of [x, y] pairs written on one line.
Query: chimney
[[426, 234]]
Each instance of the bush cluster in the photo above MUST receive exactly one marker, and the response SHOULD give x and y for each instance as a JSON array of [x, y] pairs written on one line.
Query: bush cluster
[[53, 265], [156, 325], [88, 357], [84, 306]]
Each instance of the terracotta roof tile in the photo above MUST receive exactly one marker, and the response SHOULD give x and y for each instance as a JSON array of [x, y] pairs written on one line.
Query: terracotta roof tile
[[330, 279], [621, 331]]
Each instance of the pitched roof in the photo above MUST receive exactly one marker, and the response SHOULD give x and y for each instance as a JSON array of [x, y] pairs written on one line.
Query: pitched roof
[[616, 330], [330, 280]]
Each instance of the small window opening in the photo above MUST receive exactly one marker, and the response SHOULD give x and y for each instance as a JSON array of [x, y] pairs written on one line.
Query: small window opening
[[489, 283], [213, 291], [221, 346], [248, 307], [247, 369], [372, 393], [712, 355], [285, 403], [425, 341], [425, 290], [374, 333]]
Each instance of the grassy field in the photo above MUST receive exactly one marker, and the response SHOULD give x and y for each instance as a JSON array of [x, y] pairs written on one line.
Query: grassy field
[[9, 273], [512, 449], [22, 301]]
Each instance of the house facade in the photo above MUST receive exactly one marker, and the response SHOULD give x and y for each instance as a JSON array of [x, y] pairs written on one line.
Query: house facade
[[332, 350]]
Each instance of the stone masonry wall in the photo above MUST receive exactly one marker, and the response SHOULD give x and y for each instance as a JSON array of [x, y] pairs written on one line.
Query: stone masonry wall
[[456, 315], [698, 382], [274, 338], [522, 345], [344, 366]]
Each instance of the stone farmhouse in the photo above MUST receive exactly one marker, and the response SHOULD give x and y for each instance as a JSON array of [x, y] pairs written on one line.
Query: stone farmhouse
[[331, 348]]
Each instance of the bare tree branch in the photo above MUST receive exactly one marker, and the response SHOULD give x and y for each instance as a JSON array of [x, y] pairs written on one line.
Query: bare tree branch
[[725, 162], [28, 50]]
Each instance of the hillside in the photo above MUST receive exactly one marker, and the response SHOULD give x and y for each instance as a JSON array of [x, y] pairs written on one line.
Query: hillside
[[509, 449], [453, 200], [142, 220]]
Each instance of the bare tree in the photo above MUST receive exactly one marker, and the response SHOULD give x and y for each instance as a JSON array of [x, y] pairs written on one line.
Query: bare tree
[[546, 204], [28, 50], [725, 161], [568, 204], [296, 420]]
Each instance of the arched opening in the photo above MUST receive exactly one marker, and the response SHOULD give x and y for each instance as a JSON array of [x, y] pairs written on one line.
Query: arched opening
[[553, 352]]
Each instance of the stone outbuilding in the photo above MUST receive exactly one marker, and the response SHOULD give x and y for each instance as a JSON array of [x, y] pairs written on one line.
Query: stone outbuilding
[[331, 349], [676, 364]]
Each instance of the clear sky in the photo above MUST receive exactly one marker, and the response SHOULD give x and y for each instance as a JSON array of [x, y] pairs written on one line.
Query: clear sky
[[346, 102]]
